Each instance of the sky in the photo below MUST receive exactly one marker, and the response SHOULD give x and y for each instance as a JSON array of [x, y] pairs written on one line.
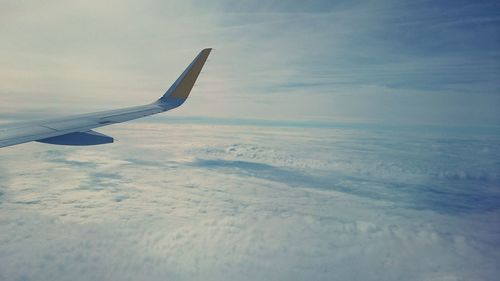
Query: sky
[[324, 140], [405, 62]]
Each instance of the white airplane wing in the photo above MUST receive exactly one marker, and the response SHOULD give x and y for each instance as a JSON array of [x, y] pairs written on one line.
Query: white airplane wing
[[77, 130]]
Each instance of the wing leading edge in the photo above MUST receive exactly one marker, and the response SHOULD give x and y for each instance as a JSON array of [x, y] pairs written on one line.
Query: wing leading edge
[[77, 130]]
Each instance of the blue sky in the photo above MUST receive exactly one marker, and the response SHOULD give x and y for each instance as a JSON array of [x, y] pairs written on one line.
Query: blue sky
[[426, 62]]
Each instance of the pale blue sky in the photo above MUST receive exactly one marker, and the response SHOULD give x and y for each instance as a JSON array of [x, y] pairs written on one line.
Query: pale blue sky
[[363, 61]]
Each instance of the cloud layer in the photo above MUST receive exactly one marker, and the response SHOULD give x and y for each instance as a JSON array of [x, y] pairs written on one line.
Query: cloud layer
[[217, 202]]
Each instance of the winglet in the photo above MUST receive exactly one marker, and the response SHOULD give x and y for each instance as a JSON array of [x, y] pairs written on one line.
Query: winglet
[[179, 91]]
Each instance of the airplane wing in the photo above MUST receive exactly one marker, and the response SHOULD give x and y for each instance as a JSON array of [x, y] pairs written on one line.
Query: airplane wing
[[77, 130]]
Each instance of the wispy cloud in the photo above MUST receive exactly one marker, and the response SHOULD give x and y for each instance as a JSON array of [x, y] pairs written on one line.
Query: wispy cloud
[[274, 60]]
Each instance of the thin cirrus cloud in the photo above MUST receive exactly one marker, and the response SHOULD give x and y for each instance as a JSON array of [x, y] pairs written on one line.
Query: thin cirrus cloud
[[364, 61]]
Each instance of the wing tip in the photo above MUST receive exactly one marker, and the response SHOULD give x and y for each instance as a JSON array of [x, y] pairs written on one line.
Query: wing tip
[[179, 91]]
